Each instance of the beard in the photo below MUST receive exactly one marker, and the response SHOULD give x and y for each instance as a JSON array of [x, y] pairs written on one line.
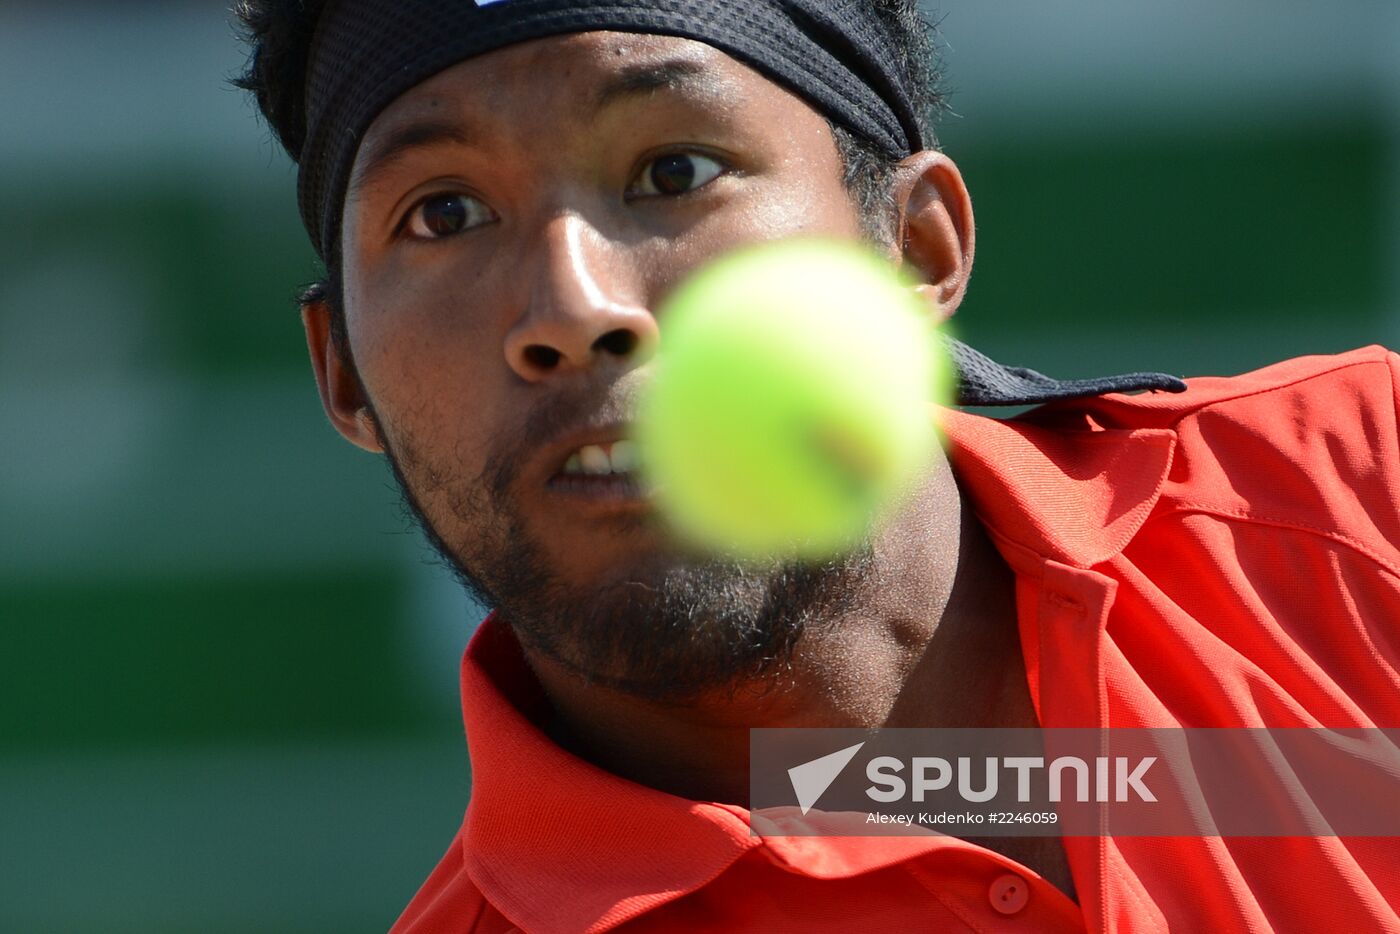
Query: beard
[[677, 624]]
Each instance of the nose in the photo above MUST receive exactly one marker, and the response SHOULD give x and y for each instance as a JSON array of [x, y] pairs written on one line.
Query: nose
[[583, 307]]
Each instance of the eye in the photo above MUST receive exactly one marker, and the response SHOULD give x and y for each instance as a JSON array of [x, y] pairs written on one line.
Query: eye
[[444, 214], [675, 173]]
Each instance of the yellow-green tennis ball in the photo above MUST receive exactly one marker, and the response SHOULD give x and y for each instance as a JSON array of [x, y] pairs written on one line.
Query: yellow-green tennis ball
[[789, 411]]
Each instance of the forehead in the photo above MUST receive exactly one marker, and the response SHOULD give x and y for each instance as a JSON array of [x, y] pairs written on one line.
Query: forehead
[[579, 72]]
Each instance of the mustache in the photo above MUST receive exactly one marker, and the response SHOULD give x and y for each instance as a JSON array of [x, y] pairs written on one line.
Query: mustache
[[594, 406]]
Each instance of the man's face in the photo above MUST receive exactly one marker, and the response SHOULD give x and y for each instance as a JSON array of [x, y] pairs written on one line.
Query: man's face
[[511, 225]]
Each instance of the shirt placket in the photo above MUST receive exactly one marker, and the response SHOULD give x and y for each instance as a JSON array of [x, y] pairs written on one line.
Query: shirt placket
[[1068, 617]]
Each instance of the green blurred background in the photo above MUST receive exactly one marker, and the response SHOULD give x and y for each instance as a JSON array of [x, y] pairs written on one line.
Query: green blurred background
[[227, 662]]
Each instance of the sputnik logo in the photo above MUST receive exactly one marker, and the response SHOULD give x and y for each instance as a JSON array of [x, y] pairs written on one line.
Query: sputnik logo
[[810, 780]]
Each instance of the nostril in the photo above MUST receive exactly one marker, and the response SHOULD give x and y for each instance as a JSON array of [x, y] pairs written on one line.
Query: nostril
[[541, 357], [619, 343]]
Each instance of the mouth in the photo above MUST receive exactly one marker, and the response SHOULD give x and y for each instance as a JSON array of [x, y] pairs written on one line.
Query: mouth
[[601, 471], [609, 459]]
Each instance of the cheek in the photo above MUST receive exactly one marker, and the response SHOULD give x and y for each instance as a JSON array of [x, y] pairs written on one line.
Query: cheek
[[787, 203], [817, 198], [430, 369], [407, 305], [798, 194]]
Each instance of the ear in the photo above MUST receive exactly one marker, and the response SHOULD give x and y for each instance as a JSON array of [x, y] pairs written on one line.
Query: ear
[[341, 393], [936, 233]]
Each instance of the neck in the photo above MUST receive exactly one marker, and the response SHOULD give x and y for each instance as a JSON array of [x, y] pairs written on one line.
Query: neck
[[931, 643]]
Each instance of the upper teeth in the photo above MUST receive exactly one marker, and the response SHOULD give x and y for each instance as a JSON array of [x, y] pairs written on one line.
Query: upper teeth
[[600, 459]]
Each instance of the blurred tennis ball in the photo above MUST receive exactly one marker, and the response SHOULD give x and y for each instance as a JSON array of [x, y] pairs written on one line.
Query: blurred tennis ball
[[789, 412]]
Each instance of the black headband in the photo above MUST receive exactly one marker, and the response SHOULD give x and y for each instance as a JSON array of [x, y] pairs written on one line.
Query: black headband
[[833, 53]]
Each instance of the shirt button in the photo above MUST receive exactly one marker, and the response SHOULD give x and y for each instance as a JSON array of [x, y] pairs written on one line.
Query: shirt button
[[1009, 893]]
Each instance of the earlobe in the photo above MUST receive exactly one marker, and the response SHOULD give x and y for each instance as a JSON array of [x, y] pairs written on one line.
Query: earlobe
[[341, 393], [936, 231]]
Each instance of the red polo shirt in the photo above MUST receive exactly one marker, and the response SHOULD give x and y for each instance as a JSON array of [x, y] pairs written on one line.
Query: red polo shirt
[[1226, 557]]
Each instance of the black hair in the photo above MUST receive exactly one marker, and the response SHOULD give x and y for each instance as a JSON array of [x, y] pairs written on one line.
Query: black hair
[[279, 32]]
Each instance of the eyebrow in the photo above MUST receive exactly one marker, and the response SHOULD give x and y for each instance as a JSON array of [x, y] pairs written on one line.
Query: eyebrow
[[394, 146], [636, 80]]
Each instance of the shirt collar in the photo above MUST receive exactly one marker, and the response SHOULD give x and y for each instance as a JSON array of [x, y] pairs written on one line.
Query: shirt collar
[[557, 844], [1075, 493]]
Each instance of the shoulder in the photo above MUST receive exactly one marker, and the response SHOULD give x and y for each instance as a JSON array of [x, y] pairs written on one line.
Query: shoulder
[[1310, 442], [1265, 580], [448, 901]]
